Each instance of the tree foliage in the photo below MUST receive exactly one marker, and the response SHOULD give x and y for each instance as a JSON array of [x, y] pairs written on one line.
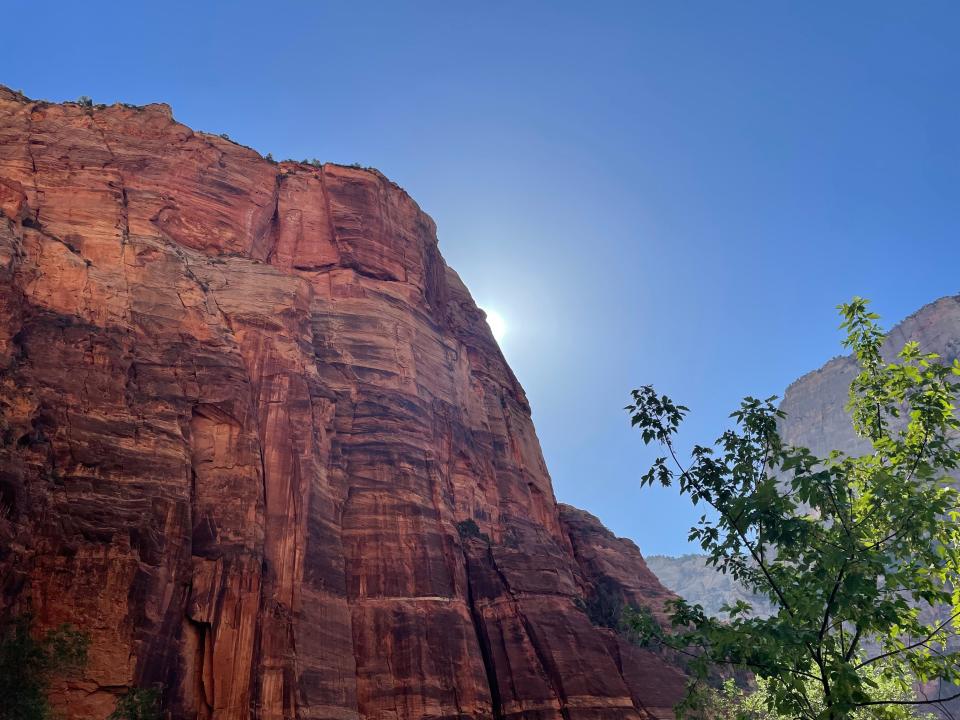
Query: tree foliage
[[137, 704], [605, 603], [860, 556], [29, 662], [731, 702], [469, 529]]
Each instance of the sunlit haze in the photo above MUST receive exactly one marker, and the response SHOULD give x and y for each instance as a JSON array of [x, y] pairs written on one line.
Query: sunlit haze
[[498, 326]]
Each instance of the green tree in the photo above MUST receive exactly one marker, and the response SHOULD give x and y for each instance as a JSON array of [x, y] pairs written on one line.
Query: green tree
[[731, 702], [137, 704], [29, 662], [860, 556]]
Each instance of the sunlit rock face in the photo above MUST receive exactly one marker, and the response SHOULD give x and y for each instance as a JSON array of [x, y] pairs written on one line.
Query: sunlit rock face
[[246, 410], [815, 404]]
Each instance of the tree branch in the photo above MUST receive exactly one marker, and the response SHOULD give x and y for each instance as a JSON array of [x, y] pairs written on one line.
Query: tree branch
[[912, 646], [743, 538], [909, 702]]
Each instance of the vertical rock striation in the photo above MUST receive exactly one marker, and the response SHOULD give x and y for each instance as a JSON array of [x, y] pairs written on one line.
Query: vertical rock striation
[[245, 410]]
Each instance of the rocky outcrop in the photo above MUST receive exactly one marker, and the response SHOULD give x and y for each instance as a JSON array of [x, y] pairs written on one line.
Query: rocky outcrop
[[247, 413], [616, 561]]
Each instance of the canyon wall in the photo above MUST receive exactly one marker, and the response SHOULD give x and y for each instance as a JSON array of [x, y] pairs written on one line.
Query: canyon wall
[[815, 404], [247, 415]]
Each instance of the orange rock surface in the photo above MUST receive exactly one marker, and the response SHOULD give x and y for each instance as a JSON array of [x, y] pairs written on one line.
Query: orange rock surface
[[243, 408]]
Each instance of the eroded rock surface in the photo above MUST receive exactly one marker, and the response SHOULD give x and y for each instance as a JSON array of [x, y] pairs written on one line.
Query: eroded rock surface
[[243, 408]]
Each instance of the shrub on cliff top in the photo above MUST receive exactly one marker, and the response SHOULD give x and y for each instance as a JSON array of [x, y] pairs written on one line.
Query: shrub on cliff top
[[849, 550]]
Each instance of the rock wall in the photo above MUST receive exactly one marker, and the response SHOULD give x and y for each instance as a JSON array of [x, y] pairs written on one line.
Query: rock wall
[[691, 577], [245, 412], [815, 404]]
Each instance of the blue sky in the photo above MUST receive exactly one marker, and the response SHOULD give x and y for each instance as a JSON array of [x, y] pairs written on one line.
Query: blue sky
[[667, 193]]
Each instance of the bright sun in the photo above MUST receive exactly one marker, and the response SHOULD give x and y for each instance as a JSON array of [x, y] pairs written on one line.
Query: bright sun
[[497, 324]]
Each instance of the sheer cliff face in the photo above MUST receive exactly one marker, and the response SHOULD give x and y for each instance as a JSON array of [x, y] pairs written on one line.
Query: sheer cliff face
[[243, 408], [815, 404]]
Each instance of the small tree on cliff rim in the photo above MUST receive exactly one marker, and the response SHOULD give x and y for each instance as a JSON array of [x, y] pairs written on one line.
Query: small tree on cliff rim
[[855, 553]]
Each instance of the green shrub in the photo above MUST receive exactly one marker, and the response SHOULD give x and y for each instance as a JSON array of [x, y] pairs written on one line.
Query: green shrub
[[28, 663], [469, 529], [138, 704], [730, 702], [605, 603]]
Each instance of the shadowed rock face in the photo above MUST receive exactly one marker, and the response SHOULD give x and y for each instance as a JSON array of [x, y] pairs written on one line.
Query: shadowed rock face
[[243, 408]]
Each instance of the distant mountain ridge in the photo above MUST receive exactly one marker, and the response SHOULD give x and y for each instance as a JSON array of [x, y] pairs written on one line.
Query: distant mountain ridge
[[690, 577]]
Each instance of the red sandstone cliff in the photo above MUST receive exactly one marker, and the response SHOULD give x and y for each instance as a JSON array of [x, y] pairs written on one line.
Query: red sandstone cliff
[[243, 407]]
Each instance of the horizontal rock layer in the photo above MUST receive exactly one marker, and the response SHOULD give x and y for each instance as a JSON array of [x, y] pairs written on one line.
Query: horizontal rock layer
[[246, 413]]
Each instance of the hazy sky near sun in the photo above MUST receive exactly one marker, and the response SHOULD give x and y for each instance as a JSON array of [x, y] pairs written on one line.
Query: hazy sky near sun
[[676, 193]]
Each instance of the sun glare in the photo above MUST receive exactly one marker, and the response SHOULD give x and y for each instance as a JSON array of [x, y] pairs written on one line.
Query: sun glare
[[497, 325]]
